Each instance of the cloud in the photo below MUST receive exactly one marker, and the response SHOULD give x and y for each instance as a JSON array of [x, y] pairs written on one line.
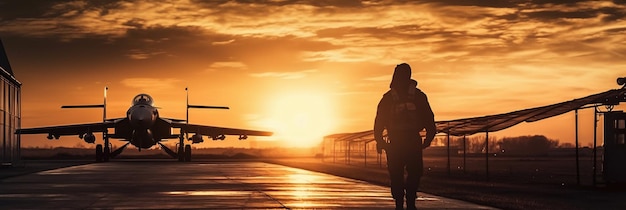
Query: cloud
[[138, 54], [226, 66], [223, 42], [285, 75], [152, 84]]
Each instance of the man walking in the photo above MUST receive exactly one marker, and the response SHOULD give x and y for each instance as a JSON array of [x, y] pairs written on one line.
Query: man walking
[[404, 111]]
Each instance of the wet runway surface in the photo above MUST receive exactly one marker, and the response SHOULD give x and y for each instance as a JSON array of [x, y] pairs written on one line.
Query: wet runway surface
[[198, 185]]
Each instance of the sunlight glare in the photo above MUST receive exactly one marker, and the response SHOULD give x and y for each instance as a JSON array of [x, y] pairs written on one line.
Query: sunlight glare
[[301, 119]]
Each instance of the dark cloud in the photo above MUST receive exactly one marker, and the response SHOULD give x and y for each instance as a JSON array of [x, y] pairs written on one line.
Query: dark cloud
[[477, 3], [107, 53], [404, 32], [559, 15], [556, 2], [158, 49], [613, 14], [318, 3], [610, 14], [10, 10]]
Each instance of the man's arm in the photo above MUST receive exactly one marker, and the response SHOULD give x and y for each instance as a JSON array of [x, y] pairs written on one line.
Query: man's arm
[[429, 122], [380, 123]]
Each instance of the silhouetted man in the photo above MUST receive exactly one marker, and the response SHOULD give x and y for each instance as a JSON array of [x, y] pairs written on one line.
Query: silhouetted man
[[404, 111]]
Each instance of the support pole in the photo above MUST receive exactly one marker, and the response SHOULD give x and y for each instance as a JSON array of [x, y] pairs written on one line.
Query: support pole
[[595, 130], [323, 148], [334, 151], [577, 158], [448, 146], [487, 154], [365, 151], [464, 154], [348, 152]]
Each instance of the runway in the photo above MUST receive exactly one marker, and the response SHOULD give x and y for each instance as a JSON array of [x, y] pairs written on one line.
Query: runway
[[142, 184]]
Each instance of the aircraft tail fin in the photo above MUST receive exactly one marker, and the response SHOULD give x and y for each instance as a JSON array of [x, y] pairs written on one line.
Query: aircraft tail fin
[[103, 106]]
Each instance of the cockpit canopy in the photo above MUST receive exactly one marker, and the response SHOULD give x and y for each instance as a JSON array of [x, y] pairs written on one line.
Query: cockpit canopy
[[143, 99]]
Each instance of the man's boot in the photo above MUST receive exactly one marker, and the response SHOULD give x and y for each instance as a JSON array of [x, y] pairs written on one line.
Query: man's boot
[[410, 204], [399, 204]]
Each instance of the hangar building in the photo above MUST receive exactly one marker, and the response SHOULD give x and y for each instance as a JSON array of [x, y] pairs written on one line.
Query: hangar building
[[10, 112]]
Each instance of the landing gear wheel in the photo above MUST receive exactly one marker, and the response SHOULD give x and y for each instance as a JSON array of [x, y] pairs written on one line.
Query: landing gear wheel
[[181, 153], [107, 153], [187, 153], [99, 153]]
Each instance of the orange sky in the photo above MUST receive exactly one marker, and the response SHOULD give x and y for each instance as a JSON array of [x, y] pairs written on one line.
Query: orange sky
[[304, 69]]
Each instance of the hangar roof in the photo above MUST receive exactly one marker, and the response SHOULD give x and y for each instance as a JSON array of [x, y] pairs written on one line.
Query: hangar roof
[[5, 66]]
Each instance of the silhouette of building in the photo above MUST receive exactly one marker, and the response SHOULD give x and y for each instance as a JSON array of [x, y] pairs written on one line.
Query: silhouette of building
[[10, 112]]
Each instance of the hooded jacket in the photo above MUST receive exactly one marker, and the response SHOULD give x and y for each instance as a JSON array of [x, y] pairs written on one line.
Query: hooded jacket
[[404, 96]]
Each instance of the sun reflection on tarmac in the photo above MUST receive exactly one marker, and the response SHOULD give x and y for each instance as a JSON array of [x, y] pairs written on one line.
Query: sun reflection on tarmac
[[306, 190], [208, 193], [300, 191]]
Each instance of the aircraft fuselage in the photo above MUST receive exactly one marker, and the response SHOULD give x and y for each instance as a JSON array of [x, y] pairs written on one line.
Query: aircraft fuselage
[[142, 121]]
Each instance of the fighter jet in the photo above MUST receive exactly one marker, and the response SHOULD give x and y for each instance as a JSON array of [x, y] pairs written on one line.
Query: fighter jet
[[143, 128]]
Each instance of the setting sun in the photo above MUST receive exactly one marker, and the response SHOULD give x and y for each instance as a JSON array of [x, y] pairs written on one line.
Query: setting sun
[[300, 119]]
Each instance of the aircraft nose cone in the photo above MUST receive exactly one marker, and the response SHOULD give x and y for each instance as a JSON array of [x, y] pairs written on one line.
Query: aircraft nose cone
[[141, 118]]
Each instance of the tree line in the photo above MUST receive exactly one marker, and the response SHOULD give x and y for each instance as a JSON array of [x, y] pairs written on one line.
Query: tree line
[[520, 145]]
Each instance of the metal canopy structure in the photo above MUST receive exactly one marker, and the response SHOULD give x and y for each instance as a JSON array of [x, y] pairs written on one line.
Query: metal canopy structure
[[497, 122], [491, 123]]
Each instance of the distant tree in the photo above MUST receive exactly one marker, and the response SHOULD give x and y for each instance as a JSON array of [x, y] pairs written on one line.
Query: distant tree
[[567, 145], [476, 144], [443, 141], [527, 145]]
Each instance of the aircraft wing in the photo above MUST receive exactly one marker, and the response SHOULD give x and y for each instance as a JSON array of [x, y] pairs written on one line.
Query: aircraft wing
[[215, 131], [173, 120], [63, 130]]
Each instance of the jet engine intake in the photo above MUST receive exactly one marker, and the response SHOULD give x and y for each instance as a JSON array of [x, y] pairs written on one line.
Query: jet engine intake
[[195, 139], [243, 137], [89, 138]]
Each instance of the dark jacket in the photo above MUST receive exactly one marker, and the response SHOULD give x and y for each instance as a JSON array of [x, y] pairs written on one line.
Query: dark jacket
[[397, 126]]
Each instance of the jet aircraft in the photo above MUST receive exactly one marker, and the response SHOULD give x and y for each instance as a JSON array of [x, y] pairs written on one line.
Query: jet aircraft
[[143, 128]]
